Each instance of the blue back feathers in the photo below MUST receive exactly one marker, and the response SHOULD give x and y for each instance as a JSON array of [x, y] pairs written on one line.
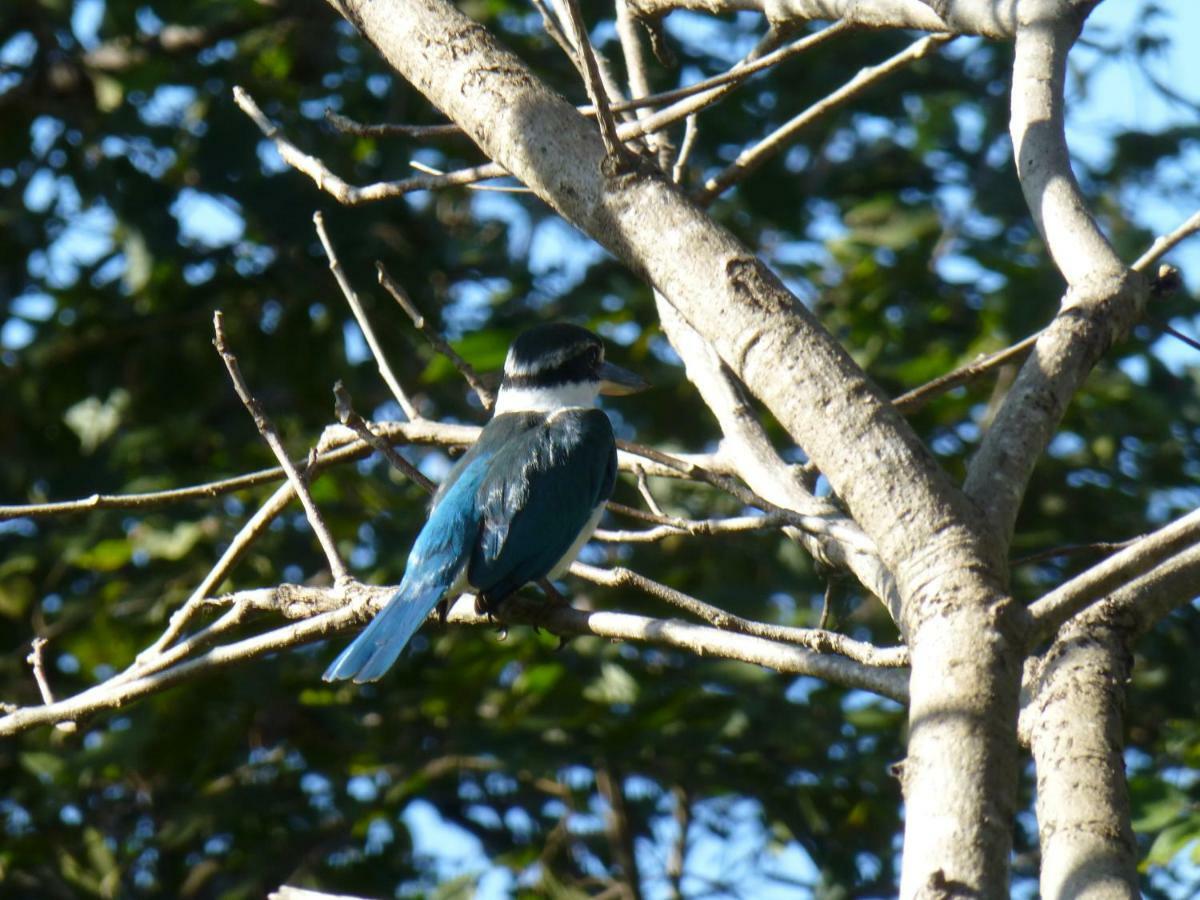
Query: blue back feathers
[[508, 512]]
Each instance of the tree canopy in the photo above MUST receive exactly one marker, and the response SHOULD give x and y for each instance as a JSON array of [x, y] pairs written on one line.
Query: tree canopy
[[139, 199]]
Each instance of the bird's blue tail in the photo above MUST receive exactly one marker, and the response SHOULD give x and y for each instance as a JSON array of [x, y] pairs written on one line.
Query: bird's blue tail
[[372, 653]]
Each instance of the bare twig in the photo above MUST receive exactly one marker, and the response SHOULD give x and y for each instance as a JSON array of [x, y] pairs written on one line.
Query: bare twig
[[620, 835], [248, 533], [1076, 550], [486, 397], [750, 159], [613, 148], [643, 487], [683, 819], [38, 664], [271, 436], [347, 125], [494, 188], [352, 420], [551, 24], [344, 192], [360, 316], [690, 132], [1167, 243], [818, 640], [913, 400], [637, 68]]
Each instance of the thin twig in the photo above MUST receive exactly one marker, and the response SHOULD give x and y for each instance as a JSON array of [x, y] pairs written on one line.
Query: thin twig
[[271, 436], [486, 397], [613, 148], [637, 69], [344, 192], [690, 132], [352, 420], [643, 487], [913, 400], [1048, 613], [360, 316], [750, 159], [1167, 243], [1075, 550], [675, 862], [494, 188], [38, 664], [347, 125], [551, 24], [247, 534], [815, 639]]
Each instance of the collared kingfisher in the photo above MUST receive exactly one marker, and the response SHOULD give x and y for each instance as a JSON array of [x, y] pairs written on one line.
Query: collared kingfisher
[[520, 504]]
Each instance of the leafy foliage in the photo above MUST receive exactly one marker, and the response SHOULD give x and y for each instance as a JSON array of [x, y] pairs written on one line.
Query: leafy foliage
[[138, 200]]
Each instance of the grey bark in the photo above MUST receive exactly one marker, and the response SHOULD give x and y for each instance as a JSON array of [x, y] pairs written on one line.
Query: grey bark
[[965, 633]]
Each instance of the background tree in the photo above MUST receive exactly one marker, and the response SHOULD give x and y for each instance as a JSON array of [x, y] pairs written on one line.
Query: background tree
[[140, 199]]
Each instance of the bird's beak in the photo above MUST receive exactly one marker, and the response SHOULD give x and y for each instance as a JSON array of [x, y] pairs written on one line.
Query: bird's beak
[[616, 382]]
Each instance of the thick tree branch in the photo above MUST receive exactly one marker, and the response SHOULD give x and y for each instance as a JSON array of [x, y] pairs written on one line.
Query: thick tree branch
[[1075, 728], [948, 568], [747, 446], [1103, 299]]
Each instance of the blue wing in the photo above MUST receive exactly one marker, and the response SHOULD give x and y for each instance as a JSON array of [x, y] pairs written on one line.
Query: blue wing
[[541, 489], [507, 512], [434, 563]]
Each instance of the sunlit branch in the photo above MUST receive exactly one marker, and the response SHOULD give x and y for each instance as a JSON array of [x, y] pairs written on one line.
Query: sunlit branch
[[341, 190], [817, 640], [752, 158], [1056, 607], [326, 611], [1168, 242]]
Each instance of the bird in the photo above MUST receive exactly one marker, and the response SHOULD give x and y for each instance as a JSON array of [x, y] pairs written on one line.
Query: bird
[[520, 503]]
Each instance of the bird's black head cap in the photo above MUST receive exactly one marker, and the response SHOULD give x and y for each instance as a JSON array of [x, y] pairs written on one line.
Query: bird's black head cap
[[553, 354]]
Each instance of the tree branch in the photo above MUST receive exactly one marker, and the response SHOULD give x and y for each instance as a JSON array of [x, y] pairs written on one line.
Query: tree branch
[[271, 436], [1056, 607], [486, 398], [360, 316], [326, 611], [749, 160]]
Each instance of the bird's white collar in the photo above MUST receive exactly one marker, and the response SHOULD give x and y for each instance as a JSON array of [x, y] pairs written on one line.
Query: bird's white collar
[[546, 399]]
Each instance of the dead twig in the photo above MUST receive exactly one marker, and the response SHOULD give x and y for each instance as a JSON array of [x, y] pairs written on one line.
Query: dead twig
[[360, 316], [439, 343], [271, 436]]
